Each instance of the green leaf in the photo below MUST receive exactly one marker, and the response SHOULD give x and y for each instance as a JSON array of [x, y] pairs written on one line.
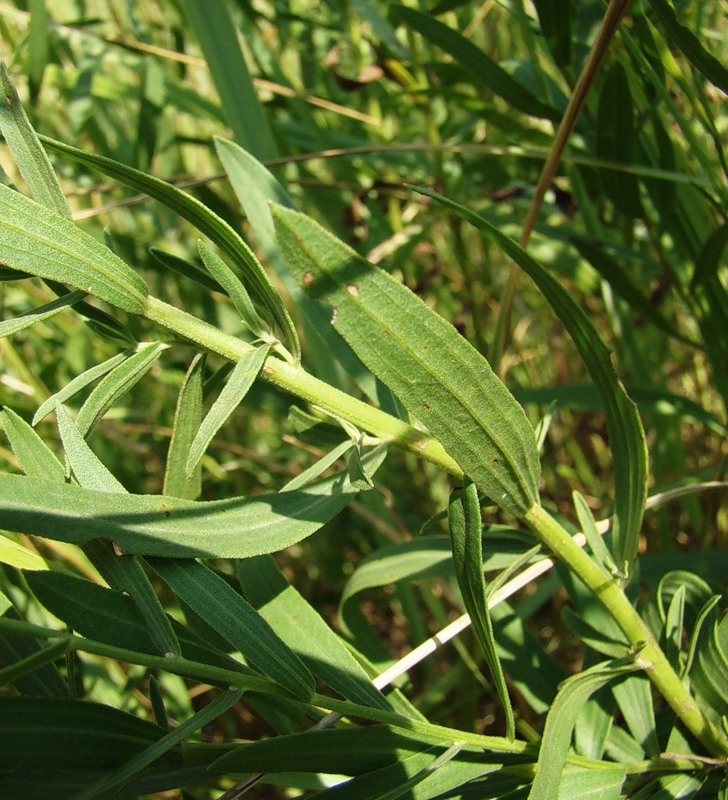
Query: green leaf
[[709, 675], [11, 326], [187, 418], [236, 527], [33, 454], [593, 784], [438, 376], [187, 269], [18, 556], [90, 472], [466, 536], [79, 383], [615, 142], [555, 17], [560, 724], [589, 528], [218, 37], [107, 615], [40, 242], [41, 733], [40, 658], [688, 42], [26, 149], [481, 68], [110, 784], [626, 435], [233, 288], [634, 698], [208, 223], [237, 386], [305, 631], [209, 596], [116, 384], [345, 751]]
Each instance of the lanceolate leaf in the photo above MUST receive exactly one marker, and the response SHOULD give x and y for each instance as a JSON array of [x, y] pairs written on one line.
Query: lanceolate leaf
[[626, 435], [560, 724], [239, 382], [206, 222], [116, 384], [156, 525], [33, 454], [25, 147], [11, 326], [467, 550], [305, 631], [209, 596], [437, 375], [38, 241]]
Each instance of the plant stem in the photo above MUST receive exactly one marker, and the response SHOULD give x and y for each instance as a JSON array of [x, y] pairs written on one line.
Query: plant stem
[[607, 590], [296, 381]]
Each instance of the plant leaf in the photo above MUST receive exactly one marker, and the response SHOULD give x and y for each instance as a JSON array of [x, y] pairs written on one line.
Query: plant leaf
[[116, 384], [237, 386], [305, 631], [626, 435], [467, 549], [237, 527], [233, 288], [33, 454], [111, 783], [187, 417], [206, 222], [27, 151], [437, 375], [19, 323], [560, 723], [79, 383], [40, 242], [688, 42], [481, 68], [209, 596]]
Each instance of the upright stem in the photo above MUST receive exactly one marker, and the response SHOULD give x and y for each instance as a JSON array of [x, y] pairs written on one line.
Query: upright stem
[[651, 657]]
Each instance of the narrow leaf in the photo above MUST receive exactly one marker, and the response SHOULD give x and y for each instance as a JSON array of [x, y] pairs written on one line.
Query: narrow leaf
[[116, 384], [466, 537], [479, 66], [233, 288], [626, 435], [187, 417], [90, 472], [688, 42], [236, 527], [11, 326], [45, 655], [589, 528], [209, 596], [26, 149], [187, 269], [298, 623], [438, 376], [18, 556], [206, 222], [110, 784], [33, 454], [40, 242], [79, 383], [560, 724], [237, 386]]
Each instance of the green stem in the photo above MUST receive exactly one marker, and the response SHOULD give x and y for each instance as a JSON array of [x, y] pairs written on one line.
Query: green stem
[[296, 381], [607, 590]]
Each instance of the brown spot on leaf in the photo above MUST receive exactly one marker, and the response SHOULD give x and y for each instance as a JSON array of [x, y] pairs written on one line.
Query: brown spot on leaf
[[352, 289], [308, 278], [425, 407]]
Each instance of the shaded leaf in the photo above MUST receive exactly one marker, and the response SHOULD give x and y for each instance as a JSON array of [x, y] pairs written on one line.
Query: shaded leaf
[[209, 596], [465, 533], [19, 323]]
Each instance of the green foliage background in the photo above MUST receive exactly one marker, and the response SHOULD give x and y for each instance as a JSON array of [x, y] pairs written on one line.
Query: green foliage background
[[351, 105]]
